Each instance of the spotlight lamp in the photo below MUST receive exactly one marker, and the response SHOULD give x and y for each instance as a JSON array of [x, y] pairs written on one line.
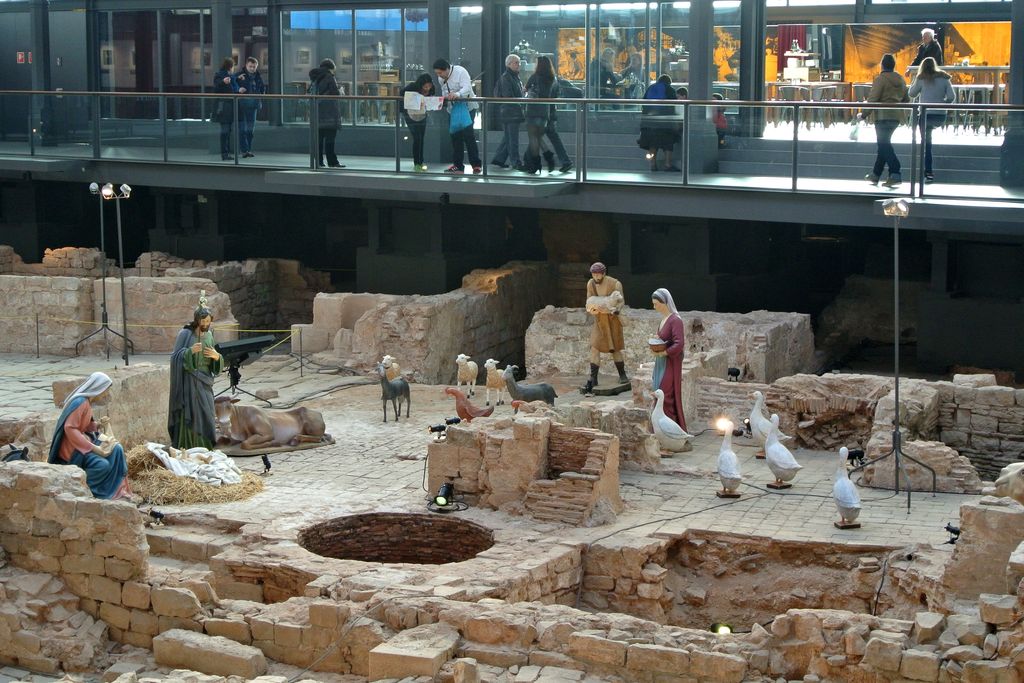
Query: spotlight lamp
[[445, 495], [107, 191], [126, 190], [898, 208], [723, 424], [94, 188], [721, 629]]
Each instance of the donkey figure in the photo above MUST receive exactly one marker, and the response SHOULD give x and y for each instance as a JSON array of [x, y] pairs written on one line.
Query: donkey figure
[[394, 390]]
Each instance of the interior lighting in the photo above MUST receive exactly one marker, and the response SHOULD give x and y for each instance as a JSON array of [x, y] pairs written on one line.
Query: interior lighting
[[720, 628], [108, 191], [722, 424]]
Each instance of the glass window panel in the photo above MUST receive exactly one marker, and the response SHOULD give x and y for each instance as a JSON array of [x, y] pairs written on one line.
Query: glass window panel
[[185, 53], [417, 48], [250, 37], [379, 60], [127, 61], [727, 47], [675, 30], [307, 37], [555, 31], [465, 33], [621, 62], [805, 3]]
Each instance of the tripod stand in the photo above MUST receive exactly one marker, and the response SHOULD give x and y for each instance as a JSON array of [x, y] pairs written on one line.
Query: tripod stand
[[897, 208], [104, 321], [235, 376]]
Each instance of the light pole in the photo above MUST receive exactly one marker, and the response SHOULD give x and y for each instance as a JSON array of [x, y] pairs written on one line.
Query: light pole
[[897, 209], [109, 193], [94, 188]]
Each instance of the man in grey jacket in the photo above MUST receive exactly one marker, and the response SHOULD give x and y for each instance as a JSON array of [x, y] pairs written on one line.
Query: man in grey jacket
[[457, 85], [510, 115]]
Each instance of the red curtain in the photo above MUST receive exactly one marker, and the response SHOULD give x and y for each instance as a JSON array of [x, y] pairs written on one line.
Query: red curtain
[[787, 34]]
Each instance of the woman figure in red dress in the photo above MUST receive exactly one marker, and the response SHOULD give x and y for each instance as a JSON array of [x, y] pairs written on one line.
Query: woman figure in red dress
[[668, 364]]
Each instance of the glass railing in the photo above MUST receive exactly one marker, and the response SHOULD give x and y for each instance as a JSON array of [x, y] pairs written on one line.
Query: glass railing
[[802, 146]]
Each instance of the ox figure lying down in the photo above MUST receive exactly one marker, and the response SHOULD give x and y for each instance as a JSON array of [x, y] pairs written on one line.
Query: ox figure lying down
[[253, 427]]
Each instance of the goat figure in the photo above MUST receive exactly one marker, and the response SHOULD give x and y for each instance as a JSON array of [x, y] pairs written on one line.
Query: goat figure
[[394, 390], [527, 392]]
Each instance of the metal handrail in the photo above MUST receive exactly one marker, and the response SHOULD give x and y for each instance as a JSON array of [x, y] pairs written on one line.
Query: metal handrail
[[523, 100]]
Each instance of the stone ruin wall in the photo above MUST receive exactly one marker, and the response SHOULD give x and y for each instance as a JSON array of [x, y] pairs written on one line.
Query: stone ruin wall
[[983, 421], [486, 318], [764, 345], [265, 293], [531, 465]]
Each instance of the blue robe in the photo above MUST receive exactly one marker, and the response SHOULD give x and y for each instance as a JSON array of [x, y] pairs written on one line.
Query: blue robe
[[103, 475]]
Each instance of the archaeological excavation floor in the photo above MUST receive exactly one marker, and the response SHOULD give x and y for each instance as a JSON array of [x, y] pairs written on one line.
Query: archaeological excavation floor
[[375, 467]]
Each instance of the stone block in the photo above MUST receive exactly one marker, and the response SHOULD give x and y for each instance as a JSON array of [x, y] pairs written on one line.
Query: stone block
[[591, 648], [105, 590], [175, 602], [998, 609], [419, 651], [718, 666], [134, 594], [985, 671], [928, 626], [644, 657], [995, 396], [115, 615], [883, 654], [208, 654], [233, 629], [919, 665]]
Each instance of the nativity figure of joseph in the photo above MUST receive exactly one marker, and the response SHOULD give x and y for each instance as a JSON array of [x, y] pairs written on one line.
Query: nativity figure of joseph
[[191, 421]]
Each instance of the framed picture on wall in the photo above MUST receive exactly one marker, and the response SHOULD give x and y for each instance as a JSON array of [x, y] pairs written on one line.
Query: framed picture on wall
[[303, 56], [106, 58]]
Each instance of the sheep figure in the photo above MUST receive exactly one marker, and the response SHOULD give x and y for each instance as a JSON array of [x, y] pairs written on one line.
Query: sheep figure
[[494, 380], [466, 373], [391, 367], [527, 392]]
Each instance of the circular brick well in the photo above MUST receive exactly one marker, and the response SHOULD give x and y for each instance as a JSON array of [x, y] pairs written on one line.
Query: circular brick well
[[397, 538]]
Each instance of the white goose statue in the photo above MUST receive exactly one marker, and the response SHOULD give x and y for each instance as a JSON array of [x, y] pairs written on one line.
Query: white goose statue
[[844, 492], [780, 461], [670, 435], [761, 426], [728, 463]]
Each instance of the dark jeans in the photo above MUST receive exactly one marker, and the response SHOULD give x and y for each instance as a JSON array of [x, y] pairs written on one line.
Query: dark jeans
[[418, 129], [928, 124], [246, 124], [464, 142], [556, 142], [535, 129], [225, 139], [326, 145], [508, 150], [886, 152]]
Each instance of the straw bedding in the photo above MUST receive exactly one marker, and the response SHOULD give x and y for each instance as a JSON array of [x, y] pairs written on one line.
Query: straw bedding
[[151, 480]]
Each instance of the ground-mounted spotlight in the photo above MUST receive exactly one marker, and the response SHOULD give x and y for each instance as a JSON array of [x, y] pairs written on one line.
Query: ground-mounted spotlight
[[452, 420], [720, 628], [734, 374], [746, 426], [445, 501]]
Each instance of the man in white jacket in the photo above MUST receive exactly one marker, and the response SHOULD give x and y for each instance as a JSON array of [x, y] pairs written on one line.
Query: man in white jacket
[[457, 85]]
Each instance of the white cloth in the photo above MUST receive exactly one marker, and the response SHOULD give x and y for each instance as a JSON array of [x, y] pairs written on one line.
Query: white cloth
[[209, 467], [664, 295], [459, 83], [90, 388]]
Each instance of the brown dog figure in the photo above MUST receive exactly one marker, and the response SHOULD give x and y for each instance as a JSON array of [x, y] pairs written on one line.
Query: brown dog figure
[[253, 427]]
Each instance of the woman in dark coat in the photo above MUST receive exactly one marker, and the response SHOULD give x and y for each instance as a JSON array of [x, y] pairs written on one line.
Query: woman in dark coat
[[668, 366], [323, 82], [542, 85], [659, 135], [224, 83], [416, 120]]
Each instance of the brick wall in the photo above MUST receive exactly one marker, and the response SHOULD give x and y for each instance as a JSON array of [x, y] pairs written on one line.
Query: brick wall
[[984, 423]]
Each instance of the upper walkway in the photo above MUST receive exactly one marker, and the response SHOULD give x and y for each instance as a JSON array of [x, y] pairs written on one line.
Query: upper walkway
[[768, 152]]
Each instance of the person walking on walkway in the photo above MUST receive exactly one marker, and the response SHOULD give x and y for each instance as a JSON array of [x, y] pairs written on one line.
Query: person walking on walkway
[[887, 88], [932, 85], [328, 111], [456, 88], [510, 115], [249, 82], [224, 83]]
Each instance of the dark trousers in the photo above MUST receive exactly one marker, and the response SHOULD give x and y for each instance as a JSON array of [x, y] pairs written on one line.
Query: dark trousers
[[928, 124], [225, 139], [556, 142], [418, 129], [886, 152], [463, 143], [326, 145], [508, 150], [246, 125], [532, 159]]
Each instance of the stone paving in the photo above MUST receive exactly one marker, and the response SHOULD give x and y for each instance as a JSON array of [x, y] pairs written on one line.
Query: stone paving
[[377, 466]]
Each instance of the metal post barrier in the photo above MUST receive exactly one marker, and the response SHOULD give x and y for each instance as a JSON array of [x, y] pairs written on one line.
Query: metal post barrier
[[581, 140], [686, 143], [314, 133], [96, 114], [31, 128], [398, 156], [924, 142], [163, 124], [796, 143], [483, 137], [238, 127]]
